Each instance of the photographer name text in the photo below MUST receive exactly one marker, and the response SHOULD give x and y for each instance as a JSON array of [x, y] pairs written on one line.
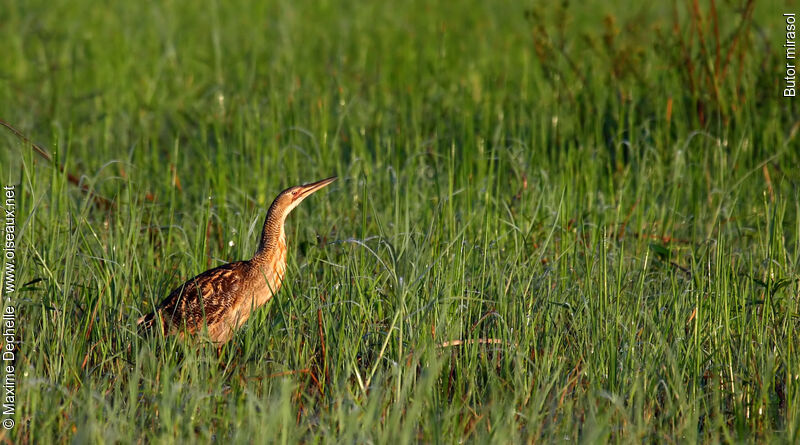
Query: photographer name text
[[9, 314]]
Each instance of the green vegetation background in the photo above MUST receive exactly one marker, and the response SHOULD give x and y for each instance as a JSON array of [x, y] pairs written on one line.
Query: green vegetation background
[[600, 199]]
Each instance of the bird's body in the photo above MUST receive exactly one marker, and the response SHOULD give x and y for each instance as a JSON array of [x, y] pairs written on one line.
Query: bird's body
[[224, 297]]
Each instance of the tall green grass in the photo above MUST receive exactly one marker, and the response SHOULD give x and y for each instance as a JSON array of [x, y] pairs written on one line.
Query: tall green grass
[[613, 236]]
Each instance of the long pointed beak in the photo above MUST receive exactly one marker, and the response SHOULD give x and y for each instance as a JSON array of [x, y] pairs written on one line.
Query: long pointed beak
[[307, 189]]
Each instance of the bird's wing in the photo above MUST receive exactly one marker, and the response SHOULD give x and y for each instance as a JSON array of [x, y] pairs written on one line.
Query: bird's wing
[[202, 299]]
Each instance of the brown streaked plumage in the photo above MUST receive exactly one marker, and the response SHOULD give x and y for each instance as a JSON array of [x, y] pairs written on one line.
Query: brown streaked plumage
[[224, 297]]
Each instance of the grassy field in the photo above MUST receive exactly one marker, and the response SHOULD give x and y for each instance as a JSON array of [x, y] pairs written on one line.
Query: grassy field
[[599, 200]]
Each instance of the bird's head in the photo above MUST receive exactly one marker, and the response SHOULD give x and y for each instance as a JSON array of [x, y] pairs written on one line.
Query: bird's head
[[286, 201], [293, 196]]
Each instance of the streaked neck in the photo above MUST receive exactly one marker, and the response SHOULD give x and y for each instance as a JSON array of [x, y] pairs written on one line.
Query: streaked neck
[[273, 237]]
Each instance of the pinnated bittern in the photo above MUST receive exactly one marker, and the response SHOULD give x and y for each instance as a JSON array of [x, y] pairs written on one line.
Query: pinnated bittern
[[223, 298]]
